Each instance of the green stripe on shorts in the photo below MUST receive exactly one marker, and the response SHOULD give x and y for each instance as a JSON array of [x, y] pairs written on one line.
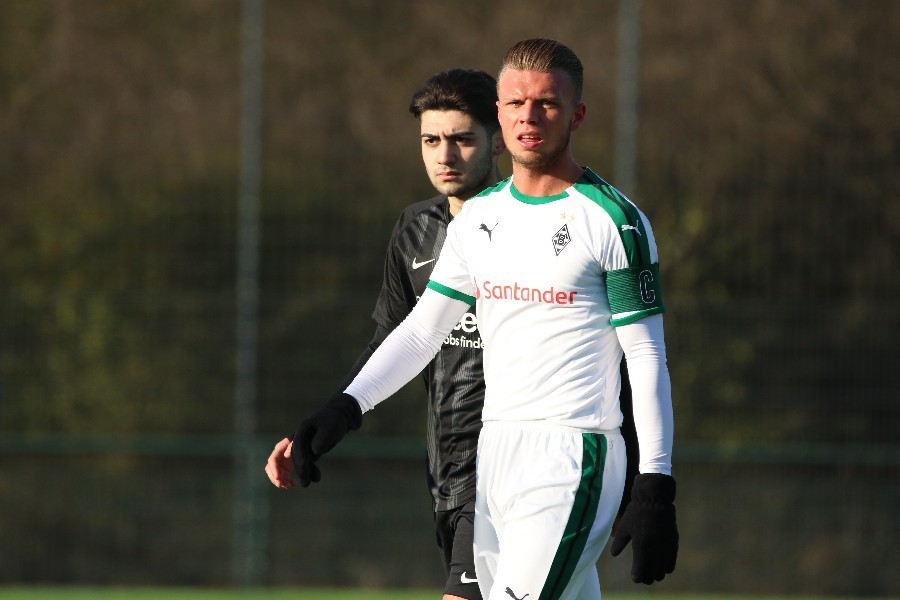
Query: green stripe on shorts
[[581, 519]]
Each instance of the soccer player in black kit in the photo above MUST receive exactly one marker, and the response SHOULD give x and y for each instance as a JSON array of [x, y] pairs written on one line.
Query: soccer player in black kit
[[461, 142]]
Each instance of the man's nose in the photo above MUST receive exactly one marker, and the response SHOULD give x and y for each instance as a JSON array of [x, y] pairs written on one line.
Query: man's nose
[[446, 154], [528, 114]]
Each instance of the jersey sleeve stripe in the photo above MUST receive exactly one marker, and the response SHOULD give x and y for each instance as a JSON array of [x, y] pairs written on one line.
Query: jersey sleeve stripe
[[626, 318], [451, 293], [623, 213]]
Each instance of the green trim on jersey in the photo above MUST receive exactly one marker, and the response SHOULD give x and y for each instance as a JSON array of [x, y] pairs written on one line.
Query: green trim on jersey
[[535, 200], [450, 292], [622, 212], [581, 519], [634, 293]]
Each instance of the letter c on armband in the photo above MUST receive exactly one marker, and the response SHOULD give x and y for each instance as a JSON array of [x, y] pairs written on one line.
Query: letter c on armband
[[648, 295]]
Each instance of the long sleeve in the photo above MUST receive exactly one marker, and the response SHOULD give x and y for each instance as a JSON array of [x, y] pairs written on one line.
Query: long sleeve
[[407, 350], [645, 351]]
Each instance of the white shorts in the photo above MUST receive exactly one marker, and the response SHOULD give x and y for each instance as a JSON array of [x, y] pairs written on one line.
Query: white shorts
[[544, 508]]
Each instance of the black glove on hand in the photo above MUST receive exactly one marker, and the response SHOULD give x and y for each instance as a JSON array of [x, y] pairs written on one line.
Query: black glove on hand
[[649, 522], [321, 432]]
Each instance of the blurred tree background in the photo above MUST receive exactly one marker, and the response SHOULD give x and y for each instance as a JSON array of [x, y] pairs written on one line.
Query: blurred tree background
[[768, 161]]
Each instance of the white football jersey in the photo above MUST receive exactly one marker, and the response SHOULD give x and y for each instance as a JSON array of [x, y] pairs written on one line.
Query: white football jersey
[[551, 277]]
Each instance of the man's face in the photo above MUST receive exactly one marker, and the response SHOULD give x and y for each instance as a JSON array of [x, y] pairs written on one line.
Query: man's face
[[457, 151], [538, 114]]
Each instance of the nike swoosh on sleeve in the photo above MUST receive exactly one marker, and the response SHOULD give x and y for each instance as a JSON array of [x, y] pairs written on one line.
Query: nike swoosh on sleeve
[[464, 579], [416, 264]]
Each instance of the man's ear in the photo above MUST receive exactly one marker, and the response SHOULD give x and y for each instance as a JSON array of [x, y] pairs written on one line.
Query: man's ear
[[498, 146], [578, 116]]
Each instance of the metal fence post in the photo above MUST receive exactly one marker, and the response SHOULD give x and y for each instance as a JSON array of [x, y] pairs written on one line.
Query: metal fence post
[[627, 95], [249, 507]]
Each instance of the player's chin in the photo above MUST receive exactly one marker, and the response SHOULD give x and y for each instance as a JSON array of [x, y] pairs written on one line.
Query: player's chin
[[448, 188], [530, 159], [453, 188]]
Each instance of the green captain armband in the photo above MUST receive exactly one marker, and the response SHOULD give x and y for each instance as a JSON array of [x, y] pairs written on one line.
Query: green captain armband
[[450, 292], [634, 293]]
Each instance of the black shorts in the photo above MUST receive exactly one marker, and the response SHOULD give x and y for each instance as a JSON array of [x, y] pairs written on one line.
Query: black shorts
[[454, 529]]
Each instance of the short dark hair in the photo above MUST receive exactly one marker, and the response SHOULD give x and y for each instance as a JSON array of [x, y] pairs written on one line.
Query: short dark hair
[[543, 55], [466, 90]]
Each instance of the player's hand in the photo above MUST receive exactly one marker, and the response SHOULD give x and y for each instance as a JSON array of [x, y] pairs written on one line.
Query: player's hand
[[278, 467], [321, 432], [649, 523]]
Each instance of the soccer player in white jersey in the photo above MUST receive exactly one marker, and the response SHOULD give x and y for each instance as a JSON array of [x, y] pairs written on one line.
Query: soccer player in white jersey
[[564, 273]]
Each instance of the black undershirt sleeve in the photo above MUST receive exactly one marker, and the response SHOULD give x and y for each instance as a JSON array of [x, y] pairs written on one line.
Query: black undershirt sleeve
[[629, 433]]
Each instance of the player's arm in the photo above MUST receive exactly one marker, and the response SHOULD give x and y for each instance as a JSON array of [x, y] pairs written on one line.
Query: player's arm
[[407, 350], [651, 392], [400, 357], [279, 466], [391, 307], [649, 519]]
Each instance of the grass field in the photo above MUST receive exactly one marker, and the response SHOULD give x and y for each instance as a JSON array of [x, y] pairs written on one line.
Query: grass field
[[126, 593], [114, 593], [123, 593], [117, 593]]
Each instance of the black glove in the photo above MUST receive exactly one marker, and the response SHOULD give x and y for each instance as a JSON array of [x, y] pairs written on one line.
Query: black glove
[[321, 432], [649, 521]]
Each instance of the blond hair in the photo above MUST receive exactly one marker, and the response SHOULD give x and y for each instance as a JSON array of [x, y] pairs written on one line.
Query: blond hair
[[544, 55]]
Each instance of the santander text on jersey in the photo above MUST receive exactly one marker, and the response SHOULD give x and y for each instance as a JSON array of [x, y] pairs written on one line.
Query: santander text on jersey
[[492, 291]]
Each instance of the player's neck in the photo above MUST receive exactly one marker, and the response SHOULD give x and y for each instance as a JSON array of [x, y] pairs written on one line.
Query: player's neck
[[548, 180]]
